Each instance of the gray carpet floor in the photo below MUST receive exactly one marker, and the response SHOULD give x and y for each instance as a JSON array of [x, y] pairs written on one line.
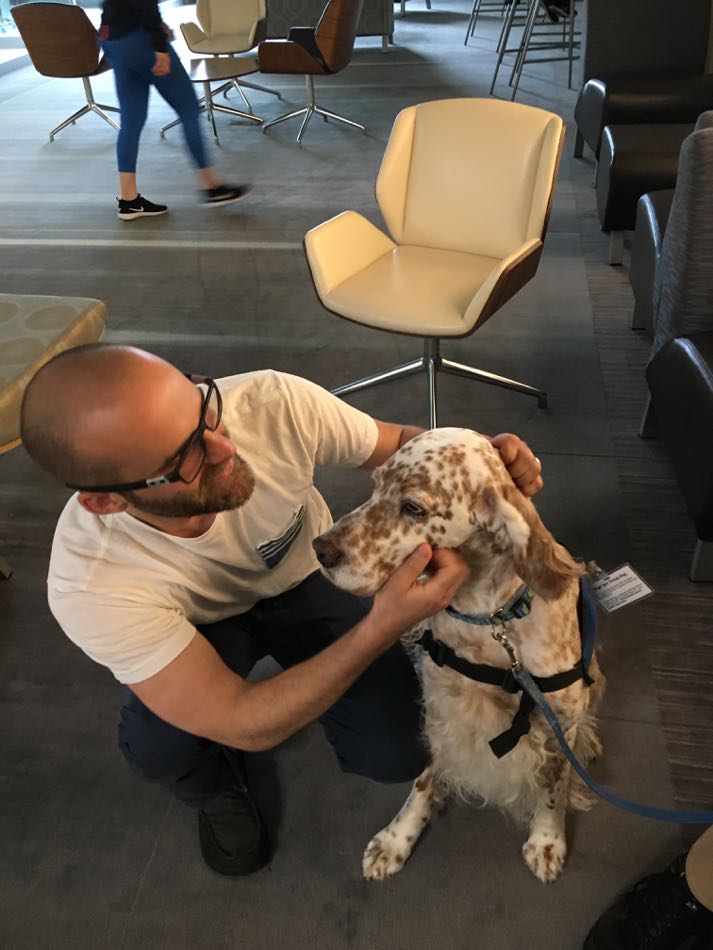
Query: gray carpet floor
[[92, 858]]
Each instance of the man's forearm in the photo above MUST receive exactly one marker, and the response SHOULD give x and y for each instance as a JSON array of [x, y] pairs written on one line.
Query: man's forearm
[[408, 433], [266, 713]]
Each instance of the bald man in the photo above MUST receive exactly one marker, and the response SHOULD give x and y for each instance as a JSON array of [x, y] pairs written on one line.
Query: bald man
[[185, 556]]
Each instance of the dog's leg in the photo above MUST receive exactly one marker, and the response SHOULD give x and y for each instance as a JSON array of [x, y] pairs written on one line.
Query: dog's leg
[[388, 850], [545, 850]]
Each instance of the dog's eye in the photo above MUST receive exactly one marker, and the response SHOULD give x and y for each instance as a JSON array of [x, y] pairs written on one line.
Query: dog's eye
[[413, 510]]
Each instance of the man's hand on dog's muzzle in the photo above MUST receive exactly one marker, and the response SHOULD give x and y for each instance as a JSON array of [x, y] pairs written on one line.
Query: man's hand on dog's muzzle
[[407, 597]]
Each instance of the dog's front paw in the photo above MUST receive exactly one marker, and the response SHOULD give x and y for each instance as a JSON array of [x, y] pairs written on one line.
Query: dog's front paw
[[545, 856], [382, 858]]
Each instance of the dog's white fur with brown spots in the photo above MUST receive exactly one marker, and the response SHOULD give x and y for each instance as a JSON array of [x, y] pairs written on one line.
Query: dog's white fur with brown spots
[[450, 488]]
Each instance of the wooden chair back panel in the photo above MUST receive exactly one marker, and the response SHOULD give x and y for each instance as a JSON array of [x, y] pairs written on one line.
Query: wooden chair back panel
[[336, 31], [60, 38]]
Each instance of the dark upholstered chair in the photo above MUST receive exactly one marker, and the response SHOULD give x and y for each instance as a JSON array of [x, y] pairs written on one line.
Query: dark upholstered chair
[[643, 62], [683, 289], [62, 43], [634, 159], [314, 51], [652, 214], [680, 379], [680, 372]]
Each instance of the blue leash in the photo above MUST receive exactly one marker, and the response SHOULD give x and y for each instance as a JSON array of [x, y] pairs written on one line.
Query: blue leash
[[646, 811]]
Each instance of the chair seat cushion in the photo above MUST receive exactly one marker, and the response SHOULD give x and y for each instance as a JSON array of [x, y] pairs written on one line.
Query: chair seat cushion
[[33, 329], [416, 290], [236, 43]]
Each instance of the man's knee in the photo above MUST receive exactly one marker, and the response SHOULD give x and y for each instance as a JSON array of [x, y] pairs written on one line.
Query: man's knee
[[153, 749], [389, 762]]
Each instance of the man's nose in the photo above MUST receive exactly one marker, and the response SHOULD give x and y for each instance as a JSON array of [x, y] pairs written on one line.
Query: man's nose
[[328, 554], [218, 446]]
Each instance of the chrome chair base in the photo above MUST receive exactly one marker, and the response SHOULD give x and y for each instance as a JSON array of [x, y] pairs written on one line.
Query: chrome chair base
[[432, 362], [308, 111], [97, 107], [252, 85], [208, 104]]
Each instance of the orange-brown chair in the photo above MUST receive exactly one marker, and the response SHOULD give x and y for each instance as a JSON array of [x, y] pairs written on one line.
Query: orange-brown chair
[[314, 51], [62, 43]]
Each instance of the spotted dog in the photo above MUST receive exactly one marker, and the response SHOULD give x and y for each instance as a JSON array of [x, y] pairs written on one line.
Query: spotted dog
[[450, 488]]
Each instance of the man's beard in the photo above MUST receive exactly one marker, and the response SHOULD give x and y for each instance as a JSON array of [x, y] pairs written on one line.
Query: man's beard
[[213, 495]]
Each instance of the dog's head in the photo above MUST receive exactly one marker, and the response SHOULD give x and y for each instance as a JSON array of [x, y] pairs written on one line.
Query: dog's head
[[450, 488]]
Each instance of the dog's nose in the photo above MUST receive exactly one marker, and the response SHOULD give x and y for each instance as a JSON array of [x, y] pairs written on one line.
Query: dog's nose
[[328, 554]]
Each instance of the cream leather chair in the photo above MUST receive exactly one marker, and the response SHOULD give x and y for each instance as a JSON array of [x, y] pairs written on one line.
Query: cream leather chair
[[465, 188], [228, 26]]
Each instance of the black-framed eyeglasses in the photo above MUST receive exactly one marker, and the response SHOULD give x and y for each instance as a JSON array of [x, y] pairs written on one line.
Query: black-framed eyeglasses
[[190, 457]]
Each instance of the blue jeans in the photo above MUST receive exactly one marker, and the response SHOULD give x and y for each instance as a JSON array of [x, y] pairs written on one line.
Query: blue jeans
[[375, 728], [132, 57]]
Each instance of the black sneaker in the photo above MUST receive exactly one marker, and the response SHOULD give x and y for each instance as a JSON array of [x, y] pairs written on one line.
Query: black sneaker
[[224, 195], [139, 207], [232, 833], [658, 913]]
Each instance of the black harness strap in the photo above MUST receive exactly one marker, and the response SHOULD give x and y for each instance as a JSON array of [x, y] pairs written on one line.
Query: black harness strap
[[443, 655]]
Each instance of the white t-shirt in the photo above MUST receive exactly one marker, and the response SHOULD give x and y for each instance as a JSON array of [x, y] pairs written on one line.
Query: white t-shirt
[[130, 595]]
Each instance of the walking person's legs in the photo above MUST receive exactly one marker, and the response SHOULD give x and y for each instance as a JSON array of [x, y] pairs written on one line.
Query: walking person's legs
[[132, 58], [177, 89]]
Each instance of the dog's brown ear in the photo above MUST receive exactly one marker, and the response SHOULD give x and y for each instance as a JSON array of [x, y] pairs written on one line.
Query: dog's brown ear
[[541, 562]]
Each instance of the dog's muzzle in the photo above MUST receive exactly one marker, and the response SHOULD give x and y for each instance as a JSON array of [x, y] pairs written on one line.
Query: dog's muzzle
[[328, 554]]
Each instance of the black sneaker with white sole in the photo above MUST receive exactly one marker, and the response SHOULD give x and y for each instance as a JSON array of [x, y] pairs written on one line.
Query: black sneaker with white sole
[[139, 207], [224, 195]]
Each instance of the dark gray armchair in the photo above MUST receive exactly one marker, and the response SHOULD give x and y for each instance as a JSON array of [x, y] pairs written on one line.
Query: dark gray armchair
[[680, 372], [643, 61]]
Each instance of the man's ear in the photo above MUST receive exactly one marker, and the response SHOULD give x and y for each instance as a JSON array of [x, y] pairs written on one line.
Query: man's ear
[[101, 502]]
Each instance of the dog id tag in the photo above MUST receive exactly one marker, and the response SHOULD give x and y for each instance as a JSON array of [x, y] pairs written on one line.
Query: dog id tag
[[617, 588]]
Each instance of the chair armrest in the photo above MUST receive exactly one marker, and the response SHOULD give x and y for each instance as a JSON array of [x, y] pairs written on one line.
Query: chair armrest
[[192, 34], [505, 279], [342, 247]]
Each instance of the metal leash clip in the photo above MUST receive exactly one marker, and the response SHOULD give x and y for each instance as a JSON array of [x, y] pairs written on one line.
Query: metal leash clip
[[497, 632]]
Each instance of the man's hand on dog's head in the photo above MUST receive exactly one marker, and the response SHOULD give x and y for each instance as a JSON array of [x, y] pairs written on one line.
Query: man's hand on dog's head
[[407, 597], [524, 468]]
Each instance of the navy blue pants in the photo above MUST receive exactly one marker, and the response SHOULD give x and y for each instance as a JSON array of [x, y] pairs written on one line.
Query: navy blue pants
[[132, 57], [375, 728]]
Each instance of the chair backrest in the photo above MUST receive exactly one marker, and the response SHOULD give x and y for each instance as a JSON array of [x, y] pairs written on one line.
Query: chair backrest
[[229, 17], [59, 37], [336, 31], [683, 289], [638, 37], [472, 175]]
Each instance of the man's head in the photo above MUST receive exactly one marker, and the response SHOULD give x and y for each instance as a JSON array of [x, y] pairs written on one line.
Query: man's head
[[102, 415]]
